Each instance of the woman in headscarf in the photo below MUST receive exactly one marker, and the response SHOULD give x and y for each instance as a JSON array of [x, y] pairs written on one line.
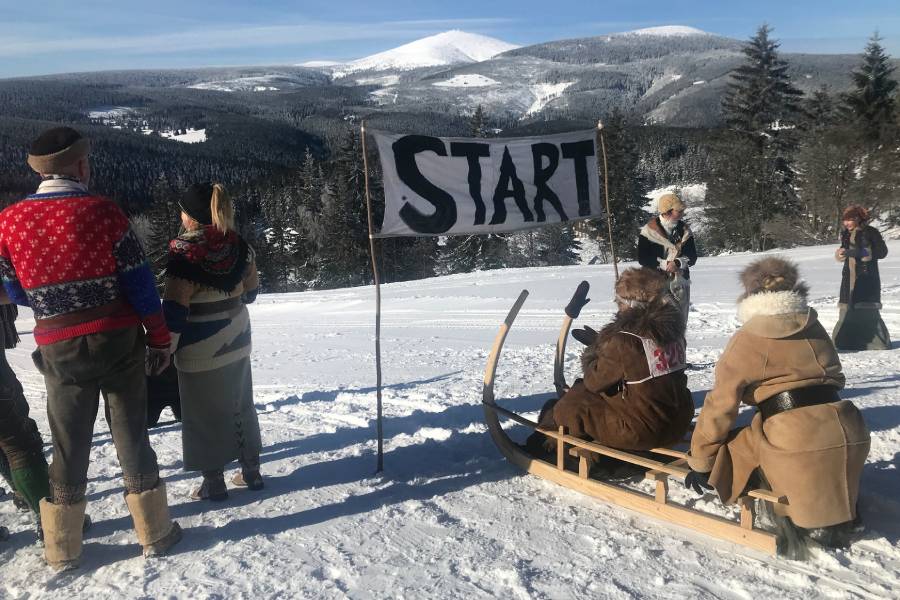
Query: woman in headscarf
[[210, 277]]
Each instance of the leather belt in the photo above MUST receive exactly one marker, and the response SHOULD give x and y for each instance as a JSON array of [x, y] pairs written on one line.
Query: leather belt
[[798, 398], [115, 308], [203, 309]]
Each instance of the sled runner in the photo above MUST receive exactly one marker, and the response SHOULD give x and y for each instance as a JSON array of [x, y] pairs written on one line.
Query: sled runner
[[664, 463]]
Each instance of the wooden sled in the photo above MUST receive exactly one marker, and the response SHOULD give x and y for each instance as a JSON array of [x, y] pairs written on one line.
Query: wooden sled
[[671, 463]]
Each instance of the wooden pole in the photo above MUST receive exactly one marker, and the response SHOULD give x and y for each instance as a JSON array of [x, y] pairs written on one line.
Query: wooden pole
[[378, 423], [612, 246]]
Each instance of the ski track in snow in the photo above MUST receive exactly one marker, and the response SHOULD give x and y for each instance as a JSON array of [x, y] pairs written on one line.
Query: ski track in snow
[[449, 517]]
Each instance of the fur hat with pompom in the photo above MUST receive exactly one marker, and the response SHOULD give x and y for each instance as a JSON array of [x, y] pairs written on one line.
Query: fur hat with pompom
[[772, 274], [638, 286]]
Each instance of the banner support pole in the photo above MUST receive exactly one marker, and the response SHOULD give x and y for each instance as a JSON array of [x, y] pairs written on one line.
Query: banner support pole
[[378, 420], [612, 246]]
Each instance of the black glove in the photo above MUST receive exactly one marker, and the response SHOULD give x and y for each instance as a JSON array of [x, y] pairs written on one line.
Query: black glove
[[697, 481], [586, 336], [579, 299]]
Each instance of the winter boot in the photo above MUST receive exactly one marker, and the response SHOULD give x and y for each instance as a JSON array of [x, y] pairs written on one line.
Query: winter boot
[[832, 536], [155, 529], [62, 525], [249, 477], [213, 487], [32, 482]]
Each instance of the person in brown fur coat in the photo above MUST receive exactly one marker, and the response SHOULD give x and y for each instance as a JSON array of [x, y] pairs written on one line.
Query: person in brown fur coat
[[805, 441], [634, 393]]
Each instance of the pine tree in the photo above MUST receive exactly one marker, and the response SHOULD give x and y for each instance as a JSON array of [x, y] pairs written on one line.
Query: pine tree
[[165, 222], [762, 111], [557, 245], [341, 229], [282, 241], [825, 165], [627, 189], [872, 101], [476, 124]]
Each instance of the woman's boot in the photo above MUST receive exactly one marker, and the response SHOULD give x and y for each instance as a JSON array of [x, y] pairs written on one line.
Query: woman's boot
[[213, 487], [249, 477]]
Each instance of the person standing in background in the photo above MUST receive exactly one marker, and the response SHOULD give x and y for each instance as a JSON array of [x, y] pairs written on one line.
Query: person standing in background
[[859, 325], [210, 277], [666, 243]]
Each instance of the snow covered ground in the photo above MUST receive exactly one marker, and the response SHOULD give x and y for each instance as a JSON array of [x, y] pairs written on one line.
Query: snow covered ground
[[468, 79], [190, 136], [450, 518]]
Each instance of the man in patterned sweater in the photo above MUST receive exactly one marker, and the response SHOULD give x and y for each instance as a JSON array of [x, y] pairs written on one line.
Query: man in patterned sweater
[[74, 259]]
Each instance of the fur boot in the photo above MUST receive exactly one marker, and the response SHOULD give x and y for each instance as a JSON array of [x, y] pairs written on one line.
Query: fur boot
[[62, 525], [155, 530]]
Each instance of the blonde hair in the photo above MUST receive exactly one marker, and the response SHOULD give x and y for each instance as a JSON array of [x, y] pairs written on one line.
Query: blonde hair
[[222, 209]]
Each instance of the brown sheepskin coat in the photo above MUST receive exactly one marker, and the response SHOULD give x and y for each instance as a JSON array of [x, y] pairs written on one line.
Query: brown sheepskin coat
[[629, 416], [813, 455]]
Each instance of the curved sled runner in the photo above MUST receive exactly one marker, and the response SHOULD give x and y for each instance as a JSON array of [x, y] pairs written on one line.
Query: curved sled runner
[[671, 463]]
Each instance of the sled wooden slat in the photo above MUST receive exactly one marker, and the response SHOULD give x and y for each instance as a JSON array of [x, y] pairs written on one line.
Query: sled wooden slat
[[713, 525], [670, 452], [746, 504], [596, 448], [768, 496], [561, 449], [584, 466]]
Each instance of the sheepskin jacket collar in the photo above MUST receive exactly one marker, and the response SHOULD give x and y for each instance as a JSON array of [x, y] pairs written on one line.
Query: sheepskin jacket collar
[[775, 314]]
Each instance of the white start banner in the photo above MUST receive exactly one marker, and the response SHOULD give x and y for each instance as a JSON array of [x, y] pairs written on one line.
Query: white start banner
[[451, 186]]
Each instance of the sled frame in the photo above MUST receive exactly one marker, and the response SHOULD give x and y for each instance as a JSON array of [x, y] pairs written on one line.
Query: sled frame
[[660, 471]]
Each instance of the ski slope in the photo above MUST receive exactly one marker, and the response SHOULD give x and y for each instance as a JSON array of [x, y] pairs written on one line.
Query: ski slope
[[449, 518]]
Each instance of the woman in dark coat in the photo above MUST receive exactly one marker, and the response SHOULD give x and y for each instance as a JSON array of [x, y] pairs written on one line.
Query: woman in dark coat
[[859, 325], [634, 394]]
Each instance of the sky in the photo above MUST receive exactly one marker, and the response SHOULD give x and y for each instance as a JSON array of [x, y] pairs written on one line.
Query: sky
[[89, 35]]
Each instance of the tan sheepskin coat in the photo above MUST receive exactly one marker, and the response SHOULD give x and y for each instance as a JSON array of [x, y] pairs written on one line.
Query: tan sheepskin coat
[[813, 455]]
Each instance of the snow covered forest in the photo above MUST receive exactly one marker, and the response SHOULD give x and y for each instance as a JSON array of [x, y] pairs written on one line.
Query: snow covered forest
[[772, 166], [449, 517]]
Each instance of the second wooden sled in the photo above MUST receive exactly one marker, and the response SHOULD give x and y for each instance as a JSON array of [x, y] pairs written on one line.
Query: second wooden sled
[[660, 471]]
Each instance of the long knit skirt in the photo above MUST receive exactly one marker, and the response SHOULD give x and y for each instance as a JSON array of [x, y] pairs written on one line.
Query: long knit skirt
[[218, 418], [860, 329]]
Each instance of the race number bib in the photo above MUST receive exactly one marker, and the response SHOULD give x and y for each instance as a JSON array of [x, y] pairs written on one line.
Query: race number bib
[[662, 360]]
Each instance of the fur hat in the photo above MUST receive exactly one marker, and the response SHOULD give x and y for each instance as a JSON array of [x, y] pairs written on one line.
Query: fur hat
[[857, 212], [640, 285], [668, 202], [772, 274], [56, 149]]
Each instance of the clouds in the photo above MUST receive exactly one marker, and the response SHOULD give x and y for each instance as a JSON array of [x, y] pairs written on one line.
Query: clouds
[[42, 42]]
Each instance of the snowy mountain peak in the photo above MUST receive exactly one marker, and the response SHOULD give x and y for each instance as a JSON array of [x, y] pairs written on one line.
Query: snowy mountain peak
[[448, 48], [669, 30]]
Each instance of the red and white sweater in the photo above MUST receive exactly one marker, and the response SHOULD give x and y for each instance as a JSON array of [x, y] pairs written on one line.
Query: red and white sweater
[[64, 250]]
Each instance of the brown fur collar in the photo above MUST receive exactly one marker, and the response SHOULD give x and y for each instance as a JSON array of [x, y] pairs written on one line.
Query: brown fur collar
[[660, 321]]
